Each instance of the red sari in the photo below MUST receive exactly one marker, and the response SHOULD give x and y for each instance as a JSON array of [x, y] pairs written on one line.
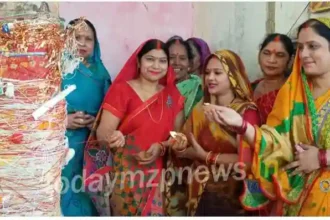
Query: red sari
[[265, 102], [136, 188]]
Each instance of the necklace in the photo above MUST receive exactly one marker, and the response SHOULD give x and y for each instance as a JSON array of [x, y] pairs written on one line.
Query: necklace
[[161, 114]]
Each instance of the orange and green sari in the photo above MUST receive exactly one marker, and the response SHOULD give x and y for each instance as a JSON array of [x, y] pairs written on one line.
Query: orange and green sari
[[217, 195], [296, 117]]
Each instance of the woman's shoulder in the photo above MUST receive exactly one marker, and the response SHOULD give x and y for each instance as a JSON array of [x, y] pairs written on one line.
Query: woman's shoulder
[[255, 83], [119, 87]]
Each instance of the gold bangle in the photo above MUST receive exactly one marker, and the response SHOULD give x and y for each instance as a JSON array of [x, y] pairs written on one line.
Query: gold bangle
[[181, 151]]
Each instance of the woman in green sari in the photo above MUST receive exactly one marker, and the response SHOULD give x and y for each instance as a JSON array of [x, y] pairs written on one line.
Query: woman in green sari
[[189, 85]]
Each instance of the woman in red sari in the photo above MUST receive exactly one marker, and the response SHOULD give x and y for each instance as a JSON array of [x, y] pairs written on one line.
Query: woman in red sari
[[274, 59], [140, 109]]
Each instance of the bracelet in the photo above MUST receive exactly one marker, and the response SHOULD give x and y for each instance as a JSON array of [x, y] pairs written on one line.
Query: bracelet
[[241, 130], [207, 158], [323, 158], [181, 151], [162, 149], [213, 158]]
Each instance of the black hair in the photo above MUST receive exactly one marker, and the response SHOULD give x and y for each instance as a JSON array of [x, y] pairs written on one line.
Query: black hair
[[153, 44], [75, 21], [320, 28], [285, 40], [175, 37], [179, 39], [191, 42]]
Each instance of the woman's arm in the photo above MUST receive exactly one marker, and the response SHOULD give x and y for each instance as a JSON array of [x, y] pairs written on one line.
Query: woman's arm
[[250, 134], [252, 117], [227, 159], [179, 121], [108, 124]]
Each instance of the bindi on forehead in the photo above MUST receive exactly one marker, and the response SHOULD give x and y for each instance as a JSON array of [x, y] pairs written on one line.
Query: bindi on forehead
[[273, 51], [277, 38], [158, 45]]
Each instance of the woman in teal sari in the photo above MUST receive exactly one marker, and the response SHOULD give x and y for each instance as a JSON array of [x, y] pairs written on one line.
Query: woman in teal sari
[[189, 85], [92, 81]]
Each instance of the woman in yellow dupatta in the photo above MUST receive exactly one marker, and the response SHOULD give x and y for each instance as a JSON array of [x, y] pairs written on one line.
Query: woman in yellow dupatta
[[291, 152], [208, 194]]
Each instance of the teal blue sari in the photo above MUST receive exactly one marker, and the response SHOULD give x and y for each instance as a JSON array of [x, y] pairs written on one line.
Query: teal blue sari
[[92, 83]]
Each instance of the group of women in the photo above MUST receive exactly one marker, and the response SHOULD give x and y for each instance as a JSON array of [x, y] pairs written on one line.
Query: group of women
[[275, 129]]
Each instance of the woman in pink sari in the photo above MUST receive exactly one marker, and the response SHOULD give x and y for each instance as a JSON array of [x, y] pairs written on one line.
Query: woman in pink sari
[[140, 109]]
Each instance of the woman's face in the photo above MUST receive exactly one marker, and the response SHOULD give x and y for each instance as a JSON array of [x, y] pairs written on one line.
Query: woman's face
[[179, 60], [153, 65], [216, 78], [274, 59], [313, 52], [86, 41]]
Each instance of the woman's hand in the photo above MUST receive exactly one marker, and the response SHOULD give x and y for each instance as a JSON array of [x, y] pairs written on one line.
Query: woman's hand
[[179, 142], [306, 160], [90, 119], [116, 139], [223, 115], [76, 120], [152, 154], [79, 120], [195, 152]]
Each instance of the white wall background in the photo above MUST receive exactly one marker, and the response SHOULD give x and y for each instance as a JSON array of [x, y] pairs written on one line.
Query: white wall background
[[238, 26]]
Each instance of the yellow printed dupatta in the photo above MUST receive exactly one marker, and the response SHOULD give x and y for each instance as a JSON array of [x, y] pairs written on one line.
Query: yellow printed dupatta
[[296, 117]]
